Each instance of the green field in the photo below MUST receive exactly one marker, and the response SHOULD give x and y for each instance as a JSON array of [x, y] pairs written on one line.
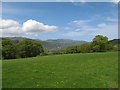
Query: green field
[[0, 74], [90, 70]]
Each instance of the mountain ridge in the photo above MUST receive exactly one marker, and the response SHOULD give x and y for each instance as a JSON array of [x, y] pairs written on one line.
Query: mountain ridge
[[50, 44], [56, 44]]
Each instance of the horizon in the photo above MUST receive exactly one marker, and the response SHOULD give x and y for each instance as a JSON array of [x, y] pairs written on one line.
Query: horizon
[[56, 39], [59, 20]]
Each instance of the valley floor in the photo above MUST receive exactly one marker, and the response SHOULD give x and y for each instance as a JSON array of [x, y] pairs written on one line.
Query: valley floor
[[90, 70]]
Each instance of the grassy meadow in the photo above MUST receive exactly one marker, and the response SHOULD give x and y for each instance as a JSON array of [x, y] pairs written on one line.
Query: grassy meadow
[[0, 74], [88, 70]]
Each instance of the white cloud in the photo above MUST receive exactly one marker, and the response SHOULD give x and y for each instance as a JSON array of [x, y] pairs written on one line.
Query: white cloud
[[78, 2], [8, 23], [77, 30], [83, 1], [66, 28], [110, 30], [75, 34], [83, 28], [101, 25], [30, 27], [115, 1], [9, 27], [34, 26], [112, 19]]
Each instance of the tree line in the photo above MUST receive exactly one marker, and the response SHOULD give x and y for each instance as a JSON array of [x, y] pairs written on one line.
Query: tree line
[[23, 49], [99, 44], [29, 48]]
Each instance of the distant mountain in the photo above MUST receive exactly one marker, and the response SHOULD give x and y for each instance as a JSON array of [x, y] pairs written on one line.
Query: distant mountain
[[59, 44], [115, 41], [51, 44], [56, 44]]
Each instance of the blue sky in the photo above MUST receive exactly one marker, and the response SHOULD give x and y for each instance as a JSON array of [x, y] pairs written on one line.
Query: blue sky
[[55, 20]]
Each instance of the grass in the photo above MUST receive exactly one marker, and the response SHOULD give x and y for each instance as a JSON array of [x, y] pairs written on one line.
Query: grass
[[0, 74], [90, 70]]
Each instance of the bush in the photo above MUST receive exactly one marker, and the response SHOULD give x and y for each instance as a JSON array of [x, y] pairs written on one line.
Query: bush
[[72, 49], [116, 48], [29, 49], [85, 48]]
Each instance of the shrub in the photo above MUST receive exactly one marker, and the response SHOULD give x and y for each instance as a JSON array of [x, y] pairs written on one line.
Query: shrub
[[29, 49]]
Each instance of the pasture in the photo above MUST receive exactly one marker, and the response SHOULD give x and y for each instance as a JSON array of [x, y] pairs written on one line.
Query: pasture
[[88, 70]]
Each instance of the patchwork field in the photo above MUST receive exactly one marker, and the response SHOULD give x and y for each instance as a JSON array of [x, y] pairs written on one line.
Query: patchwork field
[[90, 70]]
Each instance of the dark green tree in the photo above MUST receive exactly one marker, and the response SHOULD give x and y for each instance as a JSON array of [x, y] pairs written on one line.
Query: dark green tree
[[85, 48], [6, 42], [8, 49], [72, 49], [29, 48]]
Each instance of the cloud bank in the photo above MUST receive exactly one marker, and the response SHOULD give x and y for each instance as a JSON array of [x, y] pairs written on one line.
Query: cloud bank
[[10, 27], [83, 28]]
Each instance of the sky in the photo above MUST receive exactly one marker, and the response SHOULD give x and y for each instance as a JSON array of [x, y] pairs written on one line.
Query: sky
[[59, 20]]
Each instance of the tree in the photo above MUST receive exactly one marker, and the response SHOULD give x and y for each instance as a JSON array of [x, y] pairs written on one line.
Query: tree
[[0, 53], [29, 48], [6, 42], [8, 49], [100, 43], [72, 49], [85, 48], [116, 47]]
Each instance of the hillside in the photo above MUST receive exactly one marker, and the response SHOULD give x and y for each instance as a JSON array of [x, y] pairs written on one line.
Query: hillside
[[59, 44], [51, 44], [115, 41]]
